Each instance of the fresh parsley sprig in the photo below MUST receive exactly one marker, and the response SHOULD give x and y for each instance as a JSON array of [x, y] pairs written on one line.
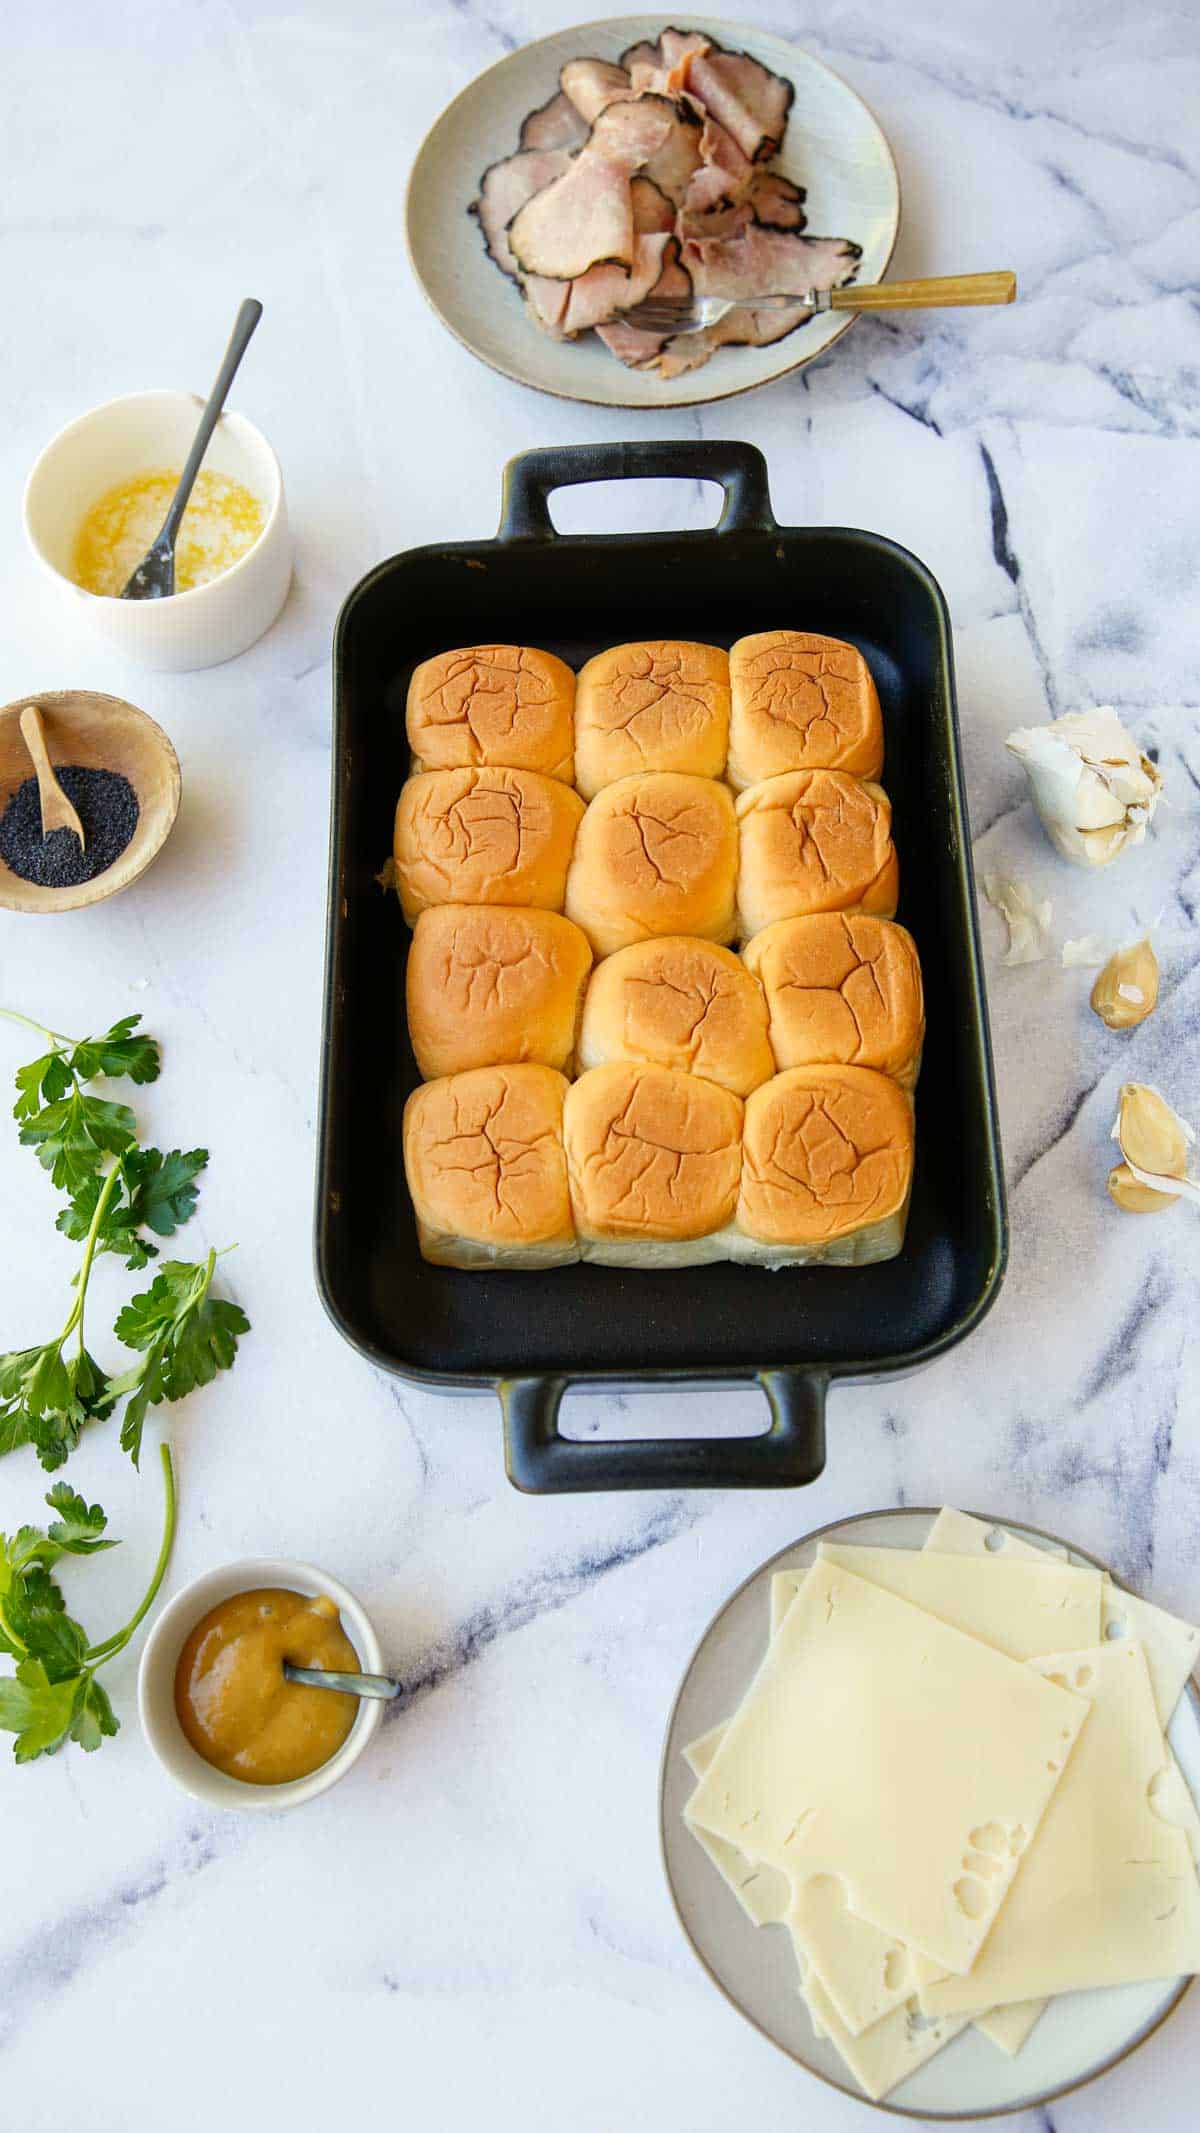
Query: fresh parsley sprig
[[53, 1694], [120, 1196]]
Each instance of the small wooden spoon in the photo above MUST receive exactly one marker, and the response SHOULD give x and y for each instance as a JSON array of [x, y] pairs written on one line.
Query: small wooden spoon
[[57, 811]]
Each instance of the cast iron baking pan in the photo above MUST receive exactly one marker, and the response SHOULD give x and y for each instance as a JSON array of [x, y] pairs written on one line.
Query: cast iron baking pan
[[529, 1335]]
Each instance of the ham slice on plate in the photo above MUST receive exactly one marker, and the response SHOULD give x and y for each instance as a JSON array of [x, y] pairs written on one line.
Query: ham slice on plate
[[748, 100], [565, 308], [765, 262], [770, 199], [591, 85], [633, 345], [664, 66], [556, 124], [585, 217], [505, 188]]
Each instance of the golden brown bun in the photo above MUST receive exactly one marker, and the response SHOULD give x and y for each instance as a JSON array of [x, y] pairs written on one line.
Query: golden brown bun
[[653, 1158], [678, 1003], [827, 1158], [842, 986], [489, 986], [661, 705], [801, 702], [498, 704], [484, 837], [655, 854], [814, 840], [484, 1160]]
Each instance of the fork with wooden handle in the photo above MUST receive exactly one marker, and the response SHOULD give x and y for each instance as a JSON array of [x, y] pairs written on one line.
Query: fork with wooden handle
[[658, 314]]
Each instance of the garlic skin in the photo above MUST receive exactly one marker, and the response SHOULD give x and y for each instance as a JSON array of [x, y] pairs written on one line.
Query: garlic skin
[[1126, 991], [1133, 1197], [1085, 953], [1092, 787], [1155, 1143], [1027, 919]]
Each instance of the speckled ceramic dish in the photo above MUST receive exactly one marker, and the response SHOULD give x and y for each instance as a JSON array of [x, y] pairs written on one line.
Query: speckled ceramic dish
[[1081, 2034], [833, 147]]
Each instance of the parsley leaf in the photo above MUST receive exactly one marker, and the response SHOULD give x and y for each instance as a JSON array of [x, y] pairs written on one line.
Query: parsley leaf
[[154, 1191], [39, 1711], [185, 1335], [73, 1137], [93, 1719], [79, 1527], [118, 1052]]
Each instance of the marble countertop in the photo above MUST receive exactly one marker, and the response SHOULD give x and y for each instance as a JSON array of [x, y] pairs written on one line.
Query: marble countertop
[[473, 1929]]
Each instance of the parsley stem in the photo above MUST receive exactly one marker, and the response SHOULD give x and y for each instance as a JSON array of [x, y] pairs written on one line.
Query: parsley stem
[[101, 1653], [55, 1035], [89, 1252], [17, 1642]]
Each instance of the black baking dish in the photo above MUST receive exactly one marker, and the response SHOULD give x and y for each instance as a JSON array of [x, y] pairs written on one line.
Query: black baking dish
[[529, 1335]]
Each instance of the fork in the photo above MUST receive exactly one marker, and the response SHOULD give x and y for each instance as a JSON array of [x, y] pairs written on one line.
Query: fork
[[659, 314]]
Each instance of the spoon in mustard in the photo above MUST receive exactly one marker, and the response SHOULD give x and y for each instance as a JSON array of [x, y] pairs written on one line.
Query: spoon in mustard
[[154, 578], [378, 1686]]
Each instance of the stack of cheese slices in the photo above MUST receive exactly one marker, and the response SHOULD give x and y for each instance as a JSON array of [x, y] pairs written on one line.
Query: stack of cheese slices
[[949, 1782], [605, 1078]]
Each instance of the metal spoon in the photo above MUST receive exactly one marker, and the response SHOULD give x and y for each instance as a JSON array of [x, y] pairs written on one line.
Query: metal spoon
[[154, 578], [57, 811], [379, 1686]]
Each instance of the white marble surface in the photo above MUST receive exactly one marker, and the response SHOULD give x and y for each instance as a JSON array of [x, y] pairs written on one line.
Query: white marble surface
[[476, 1919]]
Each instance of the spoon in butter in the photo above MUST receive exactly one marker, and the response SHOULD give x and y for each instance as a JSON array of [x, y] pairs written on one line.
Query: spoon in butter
[[378, 1686], [154, 578]]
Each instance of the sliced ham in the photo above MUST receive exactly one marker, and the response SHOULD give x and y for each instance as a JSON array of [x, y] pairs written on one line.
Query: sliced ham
[[591, 85], [565, 308], [676, 162], [665, 66], [556, 124], [505, 189], [738, 329], [768, 198], [585, 217], [764, 262], [747, 99], [723, 176], [633, 345]]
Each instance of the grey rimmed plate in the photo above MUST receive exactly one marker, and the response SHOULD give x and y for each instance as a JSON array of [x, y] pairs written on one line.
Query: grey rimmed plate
[[833, 147], [1081, 2034]]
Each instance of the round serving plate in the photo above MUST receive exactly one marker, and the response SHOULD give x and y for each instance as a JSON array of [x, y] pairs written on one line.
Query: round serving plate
[[1081, 2034], [833, 146]]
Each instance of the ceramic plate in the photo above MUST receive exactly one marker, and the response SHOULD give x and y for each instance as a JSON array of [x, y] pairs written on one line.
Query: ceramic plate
[[1080, 2035], [833, 147]]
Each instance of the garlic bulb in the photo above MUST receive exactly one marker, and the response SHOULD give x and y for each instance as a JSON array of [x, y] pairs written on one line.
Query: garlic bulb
[[1155, 1142], [1093, 788], [1027, 919], [1126, 990]]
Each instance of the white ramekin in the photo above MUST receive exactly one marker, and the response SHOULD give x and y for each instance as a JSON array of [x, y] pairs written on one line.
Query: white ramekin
[[136, 435], [156, 1684]]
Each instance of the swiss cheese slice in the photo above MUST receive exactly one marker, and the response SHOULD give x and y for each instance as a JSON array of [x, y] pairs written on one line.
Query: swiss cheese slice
[[1108, 1893], [763, 1894], [1171, 1646], [1021, 1608], [827, 1766], [891, 2049], [1009, 2027]]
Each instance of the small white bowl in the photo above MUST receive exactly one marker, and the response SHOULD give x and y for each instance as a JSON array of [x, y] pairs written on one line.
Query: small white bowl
[[138, 434], [156, 1684]]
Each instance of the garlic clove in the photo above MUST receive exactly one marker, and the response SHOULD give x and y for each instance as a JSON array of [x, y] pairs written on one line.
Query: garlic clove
[[1093, 788], [1027, 919], [1134, 1197], [1126, 991]]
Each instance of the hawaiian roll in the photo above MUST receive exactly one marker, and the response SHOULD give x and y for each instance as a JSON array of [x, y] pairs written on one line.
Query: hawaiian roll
[[505, 705], [800, 702], [814, 840], [653, 1158], [484, 837], [678, 1003], [655, 854], [843, 987], [483, 1153], [661, 705], [827, 1162], [490, 986]]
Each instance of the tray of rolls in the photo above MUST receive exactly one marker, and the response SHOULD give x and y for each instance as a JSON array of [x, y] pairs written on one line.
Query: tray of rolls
[[672, 1065]]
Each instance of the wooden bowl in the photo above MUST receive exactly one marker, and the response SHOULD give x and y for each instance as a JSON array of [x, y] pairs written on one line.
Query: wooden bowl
[[102, 733]]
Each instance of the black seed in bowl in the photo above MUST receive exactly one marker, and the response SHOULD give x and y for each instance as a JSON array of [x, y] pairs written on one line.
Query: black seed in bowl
[[107, 806]]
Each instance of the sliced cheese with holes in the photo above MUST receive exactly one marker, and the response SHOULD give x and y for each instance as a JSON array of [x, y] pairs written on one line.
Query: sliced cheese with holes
[[1171, 1646], [891, 2049], [763, 1894], [1021, 1608], [1107, 1894], [827, 1767], [1009, 2027]]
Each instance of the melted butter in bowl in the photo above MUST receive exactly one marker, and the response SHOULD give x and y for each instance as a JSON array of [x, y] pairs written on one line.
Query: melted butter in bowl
[[236, 1706], [222, 522]]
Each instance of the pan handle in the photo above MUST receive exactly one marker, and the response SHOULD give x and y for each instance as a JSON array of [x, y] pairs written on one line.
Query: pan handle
[[788, 1455], [739, 469]]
